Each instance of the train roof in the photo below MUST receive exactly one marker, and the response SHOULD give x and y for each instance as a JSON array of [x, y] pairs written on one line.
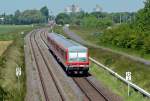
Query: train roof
[[66, 43]]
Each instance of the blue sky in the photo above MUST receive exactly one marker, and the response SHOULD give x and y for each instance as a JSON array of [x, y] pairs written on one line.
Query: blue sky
[[10, 6]]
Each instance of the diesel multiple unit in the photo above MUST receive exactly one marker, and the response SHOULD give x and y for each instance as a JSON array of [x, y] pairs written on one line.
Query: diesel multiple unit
[[72, 55]]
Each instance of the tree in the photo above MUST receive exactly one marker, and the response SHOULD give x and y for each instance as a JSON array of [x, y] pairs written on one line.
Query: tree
[[17, 13], [99, 14], [89, 22], [31, 16], [45, 12], [143, 17], [63, 18], [16, 16]]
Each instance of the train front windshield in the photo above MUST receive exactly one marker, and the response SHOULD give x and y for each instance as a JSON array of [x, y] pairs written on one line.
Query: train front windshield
[[78, 56]]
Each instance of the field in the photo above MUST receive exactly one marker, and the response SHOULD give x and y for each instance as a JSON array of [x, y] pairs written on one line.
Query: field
[[12, 56], [10, 32], [119, 64], [4, 45]]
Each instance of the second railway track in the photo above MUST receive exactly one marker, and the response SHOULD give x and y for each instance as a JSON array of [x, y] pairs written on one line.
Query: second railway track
[[49, 85], [90, 90]]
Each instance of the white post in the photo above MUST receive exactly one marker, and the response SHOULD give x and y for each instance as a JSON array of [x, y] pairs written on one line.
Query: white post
[[18, 73], [128, 77]]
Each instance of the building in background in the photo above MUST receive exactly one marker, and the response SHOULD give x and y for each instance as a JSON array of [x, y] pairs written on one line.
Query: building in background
[[98, 8], [72, 9]]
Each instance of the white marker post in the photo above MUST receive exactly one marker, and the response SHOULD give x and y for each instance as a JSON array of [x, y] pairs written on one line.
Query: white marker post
[[128, 77], [18, 73]]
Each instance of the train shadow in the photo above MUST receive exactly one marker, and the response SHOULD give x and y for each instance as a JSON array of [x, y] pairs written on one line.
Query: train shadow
[[72, 74], [79, 75]]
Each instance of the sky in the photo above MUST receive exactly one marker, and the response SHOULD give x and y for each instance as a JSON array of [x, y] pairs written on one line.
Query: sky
[[57, 6]]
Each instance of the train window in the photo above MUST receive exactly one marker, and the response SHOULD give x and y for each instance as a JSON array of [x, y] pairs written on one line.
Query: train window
[[78, 56], [73, 56], [82, 56]]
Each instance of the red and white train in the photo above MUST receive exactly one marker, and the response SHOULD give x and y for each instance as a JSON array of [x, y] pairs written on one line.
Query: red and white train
[[72, 55]]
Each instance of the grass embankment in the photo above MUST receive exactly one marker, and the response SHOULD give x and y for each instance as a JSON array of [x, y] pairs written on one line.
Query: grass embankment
[[13, 56], [59, 30], [115, 85], [139, 75]]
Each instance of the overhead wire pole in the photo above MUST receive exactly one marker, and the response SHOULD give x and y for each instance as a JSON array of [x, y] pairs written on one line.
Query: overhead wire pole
[[120, 18], [112, 18], [51, 21]]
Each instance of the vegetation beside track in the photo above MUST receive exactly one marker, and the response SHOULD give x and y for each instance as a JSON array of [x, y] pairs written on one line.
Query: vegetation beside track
[[115, 85], [59, 30], [13, 56], [120, 64]]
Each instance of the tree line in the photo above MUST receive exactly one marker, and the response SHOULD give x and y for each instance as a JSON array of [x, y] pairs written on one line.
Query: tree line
[[95, 19], [26, 17]]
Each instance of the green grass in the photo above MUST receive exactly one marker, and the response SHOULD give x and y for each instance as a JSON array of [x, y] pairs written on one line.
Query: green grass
[[10, 32], [87, 34], [13, 56], [115, 85], [11, 28], [58, 30]]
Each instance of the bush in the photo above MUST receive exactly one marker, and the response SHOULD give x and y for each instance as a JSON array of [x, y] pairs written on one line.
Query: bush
[[93, 22], [124, 36], [146, 46]]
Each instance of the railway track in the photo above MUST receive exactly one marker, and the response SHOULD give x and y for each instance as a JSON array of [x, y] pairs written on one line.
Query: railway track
[[88, 89], [48, 81], [40, 74]]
